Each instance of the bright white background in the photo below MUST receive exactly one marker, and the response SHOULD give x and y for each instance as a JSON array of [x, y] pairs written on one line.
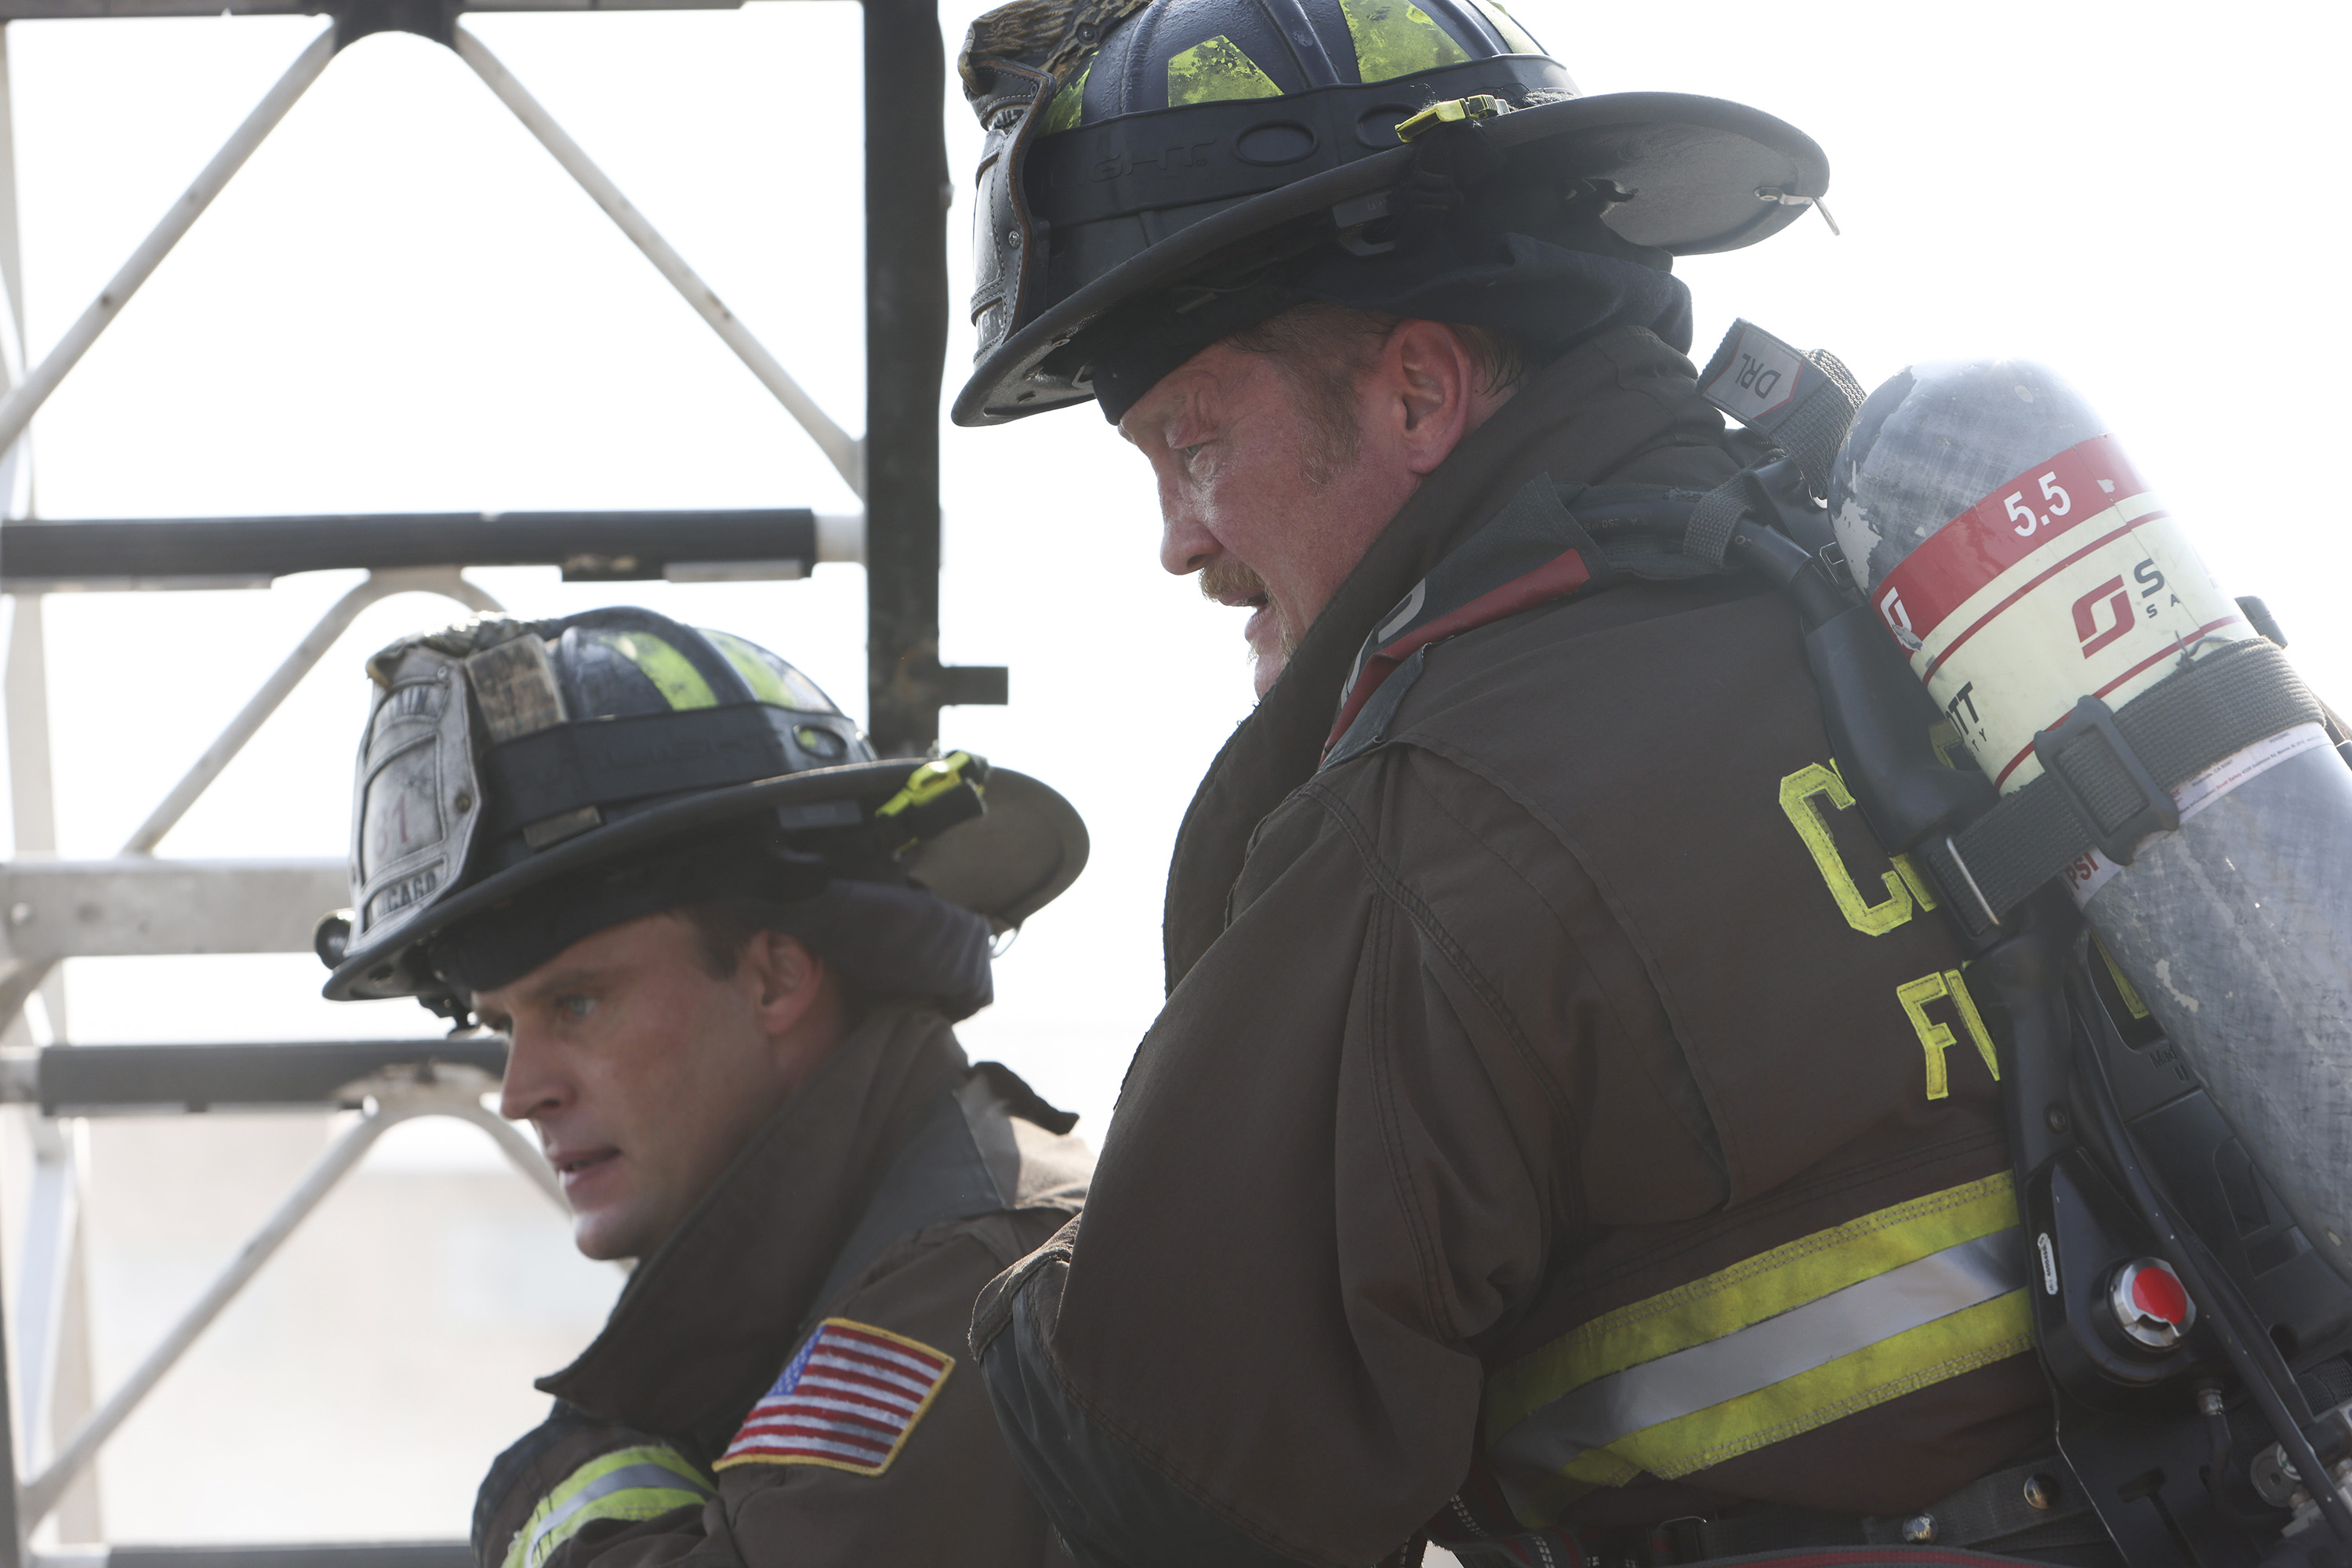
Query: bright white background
[[402, 303]]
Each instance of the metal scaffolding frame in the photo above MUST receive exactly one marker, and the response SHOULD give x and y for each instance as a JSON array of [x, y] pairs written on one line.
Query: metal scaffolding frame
[[52, 1423]]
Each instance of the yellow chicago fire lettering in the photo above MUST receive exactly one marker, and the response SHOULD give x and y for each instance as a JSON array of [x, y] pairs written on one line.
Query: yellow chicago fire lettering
[[1935, 1038], [1904, 886]]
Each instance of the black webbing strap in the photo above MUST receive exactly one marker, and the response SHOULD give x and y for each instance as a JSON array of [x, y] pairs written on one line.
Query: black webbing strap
[[2027, 1506], [2107, 776], [1716, 519], [1802, 403], [1816, 427]]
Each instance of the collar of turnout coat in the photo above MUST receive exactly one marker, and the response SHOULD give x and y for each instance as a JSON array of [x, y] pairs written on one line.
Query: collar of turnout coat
[[711, 1314], [1578, 419]]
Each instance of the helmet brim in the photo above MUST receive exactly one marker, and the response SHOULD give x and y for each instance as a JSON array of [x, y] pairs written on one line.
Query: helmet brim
[[1695, 164], [1005, 865]]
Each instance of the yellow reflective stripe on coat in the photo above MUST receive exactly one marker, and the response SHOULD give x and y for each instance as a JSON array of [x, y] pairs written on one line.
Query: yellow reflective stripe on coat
[[629, 1484], [1772, 1346]]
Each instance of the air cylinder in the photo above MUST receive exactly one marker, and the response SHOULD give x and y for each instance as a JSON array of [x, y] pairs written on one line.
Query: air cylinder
[[2022, 563]]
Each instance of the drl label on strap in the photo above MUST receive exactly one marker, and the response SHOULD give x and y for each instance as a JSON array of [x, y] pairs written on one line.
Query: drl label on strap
[[1754, 375]]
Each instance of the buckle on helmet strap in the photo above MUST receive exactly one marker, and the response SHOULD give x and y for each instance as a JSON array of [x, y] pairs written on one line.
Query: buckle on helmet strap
[[1451, 110]]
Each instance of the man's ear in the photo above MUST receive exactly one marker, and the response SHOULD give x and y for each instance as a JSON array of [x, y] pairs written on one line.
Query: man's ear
[[787, 979], [1439, 389]]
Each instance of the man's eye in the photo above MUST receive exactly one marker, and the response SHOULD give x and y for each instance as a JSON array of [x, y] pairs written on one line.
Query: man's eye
[[576, 1006], [1192, 451]]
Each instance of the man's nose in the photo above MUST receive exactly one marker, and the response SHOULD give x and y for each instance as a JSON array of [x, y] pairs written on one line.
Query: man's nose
[[1185, 545], [532, 1086]]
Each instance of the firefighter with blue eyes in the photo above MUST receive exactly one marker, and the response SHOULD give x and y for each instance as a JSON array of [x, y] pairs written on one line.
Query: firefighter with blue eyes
[[1569, 1137], [727, 944]]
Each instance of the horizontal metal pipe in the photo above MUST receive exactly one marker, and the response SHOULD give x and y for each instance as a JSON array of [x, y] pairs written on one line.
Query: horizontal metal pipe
[[111, 552], [320, 1075]]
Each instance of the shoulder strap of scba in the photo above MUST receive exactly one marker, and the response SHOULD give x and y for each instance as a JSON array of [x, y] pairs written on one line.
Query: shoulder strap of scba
[[2107, 781], [2107, 773]]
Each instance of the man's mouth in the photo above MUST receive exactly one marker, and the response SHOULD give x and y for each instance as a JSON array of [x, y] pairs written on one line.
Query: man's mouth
[[573, 1165], [1228, 581]]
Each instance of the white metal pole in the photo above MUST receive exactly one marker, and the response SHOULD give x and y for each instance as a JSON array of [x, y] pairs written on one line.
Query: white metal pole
[[12, 264], [31, 800], [53, 1213], [16, 460], [79, 1515], [31, 779], [53, 1312], [845, 452], [16, 409]]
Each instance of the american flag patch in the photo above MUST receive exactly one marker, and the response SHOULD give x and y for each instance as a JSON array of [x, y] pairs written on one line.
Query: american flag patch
[[847, 1400]]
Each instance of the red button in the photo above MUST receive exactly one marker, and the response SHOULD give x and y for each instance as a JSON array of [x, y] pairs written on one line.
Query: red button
[[2157, 1293]]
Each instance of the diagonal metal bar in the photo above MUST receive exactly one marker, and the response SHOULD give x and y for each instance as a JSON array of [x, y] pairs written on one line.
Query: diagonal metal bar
[[275, 690], [393, 1096], [17, 408], [282, 681], [21, 979], [40, 1494], [518, 1151], [845, 452]]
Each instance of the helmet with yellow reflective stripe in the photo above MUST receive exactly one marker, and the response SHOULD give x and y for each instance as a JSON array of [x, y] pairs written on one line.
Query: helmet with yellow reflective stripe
[[507, 763], [1159, 173]]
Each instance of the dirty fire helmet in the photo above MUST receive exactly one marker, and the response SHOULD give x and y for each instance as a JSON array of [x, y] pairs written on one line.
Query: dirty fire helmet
[[1160, 173], [504, 758]]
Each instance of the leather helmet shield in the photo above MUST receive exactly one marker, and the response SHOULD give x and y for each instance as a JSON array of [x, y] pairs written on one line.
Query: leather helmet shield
[[1005, 258], [415, 798]]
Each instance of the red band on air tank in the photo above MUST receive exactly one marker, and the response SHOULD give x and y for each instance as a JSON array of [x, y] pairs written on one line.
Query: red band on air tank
[[1961, 557]]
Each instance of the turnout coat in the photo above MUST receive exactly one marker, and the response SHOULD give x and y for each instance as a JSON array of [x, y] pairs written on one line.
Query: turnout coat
[[1564, 1117], [785, 1382]]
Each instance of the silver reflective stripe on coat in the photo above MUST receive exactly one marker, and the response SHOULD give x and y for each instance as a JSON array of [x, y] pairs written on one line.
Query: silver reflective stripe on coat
[[668, 1486], [1761, 1354]]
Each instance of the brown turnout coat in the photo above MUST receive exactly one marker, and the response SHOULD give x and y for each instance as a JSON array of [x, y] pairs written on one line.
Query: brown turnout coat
[[708, 1321], [1538, 1010]]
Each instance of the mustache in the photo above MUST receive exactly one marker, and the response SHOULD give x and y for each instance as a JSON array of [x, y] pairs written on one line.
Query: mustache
[[1226, 580]]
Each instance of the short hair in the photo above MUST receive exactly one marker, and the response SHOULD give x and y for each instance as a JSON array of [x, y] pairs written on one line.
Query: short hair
[[1325, 349], [721, 928]]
